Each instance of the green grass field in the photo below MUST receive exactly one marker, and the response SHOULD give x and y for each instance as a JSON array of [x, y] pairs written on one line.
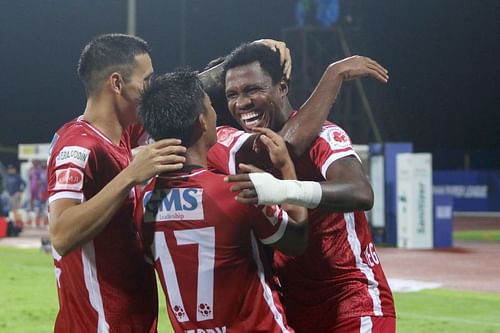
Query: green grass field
[[28, 302], [478, 235]]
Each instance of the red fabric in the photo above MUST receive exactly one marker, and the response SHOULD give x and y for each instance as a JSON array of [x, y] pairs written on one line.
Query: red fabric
[[105, 283], [339, 276], [199, 233]]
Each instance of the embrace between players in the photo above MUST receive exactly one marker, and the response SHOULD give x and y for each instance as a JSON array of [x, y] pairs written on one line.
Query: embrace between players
[[293, 252]]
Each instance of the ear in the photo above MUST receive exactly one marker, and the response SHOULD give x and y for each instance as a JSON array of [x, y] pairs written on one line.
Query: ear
[[203, 123], [115, 81], [283, 86]]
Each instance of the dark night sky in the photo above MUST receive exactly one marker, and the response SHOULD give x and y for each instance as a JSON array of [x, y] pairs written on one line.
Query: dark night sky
[[443, 57]]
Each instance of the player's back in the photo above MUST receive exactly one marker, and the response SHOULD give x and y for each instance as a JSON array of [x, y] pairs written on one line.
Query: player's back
[[205, 248]]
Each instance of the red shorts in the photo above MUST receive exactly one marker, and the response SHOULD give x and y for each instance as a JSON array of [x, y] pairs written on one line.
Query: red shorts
[[365, 324]]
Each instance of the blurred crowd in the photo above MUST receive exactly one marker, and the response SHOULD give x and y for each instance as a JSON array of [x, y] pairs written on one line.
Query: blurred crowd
[[23, 200]]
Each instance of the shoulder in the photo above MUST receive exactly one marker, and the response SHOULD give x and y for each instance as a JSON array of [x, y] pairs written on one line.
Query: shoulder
[[227, 135], [335, 136]]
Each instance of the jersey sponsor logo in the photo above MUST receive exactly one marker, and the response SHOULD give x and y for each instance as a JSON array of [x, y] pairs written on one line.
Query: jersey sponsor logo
[[73, 154], [173, 204], [207, 330], [336, 137], [226, 136], [69, 179]]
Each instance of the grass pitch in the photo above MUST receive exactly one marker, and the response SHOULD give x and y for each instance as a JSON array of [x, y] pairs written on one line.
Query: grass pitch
[[28, 302]]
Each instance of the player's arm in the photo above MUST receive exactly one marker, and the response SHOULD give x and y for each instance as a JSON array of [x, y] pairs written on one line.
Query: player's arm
[[300, 131], [72, 223], [346, 188], [294, 239]]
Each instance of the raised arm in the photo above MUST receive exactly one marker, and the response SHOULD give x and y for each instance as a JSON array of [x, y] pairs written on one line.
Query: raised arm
[[72, 223], [300, 131]]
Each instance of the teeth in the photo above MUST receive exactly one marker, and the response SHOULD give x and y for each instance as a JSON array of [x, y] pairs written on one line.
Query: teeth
[[249, 115]]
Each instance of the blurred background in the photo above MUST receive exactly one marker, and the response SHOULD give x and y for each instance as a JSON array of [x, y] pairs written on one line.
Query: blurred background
[[443, 57]]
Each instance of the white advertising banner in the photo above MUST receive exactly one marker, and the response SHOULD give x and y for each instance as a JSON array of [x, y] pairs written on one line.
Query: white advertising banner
[[414, 200], [377, 216]]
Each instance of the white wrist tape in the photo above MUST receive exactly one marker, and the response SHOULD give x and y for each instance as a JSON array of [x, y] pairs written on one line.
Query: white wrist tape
[[271, 190]]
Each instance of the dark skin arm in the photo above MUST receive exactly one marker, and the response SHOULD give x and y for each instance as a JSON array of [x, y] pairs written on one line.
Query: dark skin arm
[[300, 131], [346, 188]]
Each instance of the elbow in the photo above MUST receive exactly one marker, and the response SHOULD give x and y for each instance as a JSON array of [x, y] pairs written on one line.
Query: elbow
[[365, 198], [59, 243]]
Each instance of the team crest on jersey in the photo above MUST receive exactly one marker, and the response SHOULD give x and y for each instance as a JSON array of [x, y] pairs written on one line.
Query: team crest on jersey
[[336, 137], [226, 136], [69, 179], [173, 204], [73, 154]]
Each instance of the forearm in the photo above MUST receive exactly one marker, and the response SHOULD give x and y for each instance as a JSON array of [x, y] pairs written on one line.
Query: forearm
[[346, 196], [212, 80], [81, 223], [301, 130]]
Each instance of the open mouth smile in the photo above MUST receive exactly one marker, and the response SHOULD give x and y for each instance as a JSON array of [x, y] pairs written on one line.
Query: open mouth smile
[[251, 119]]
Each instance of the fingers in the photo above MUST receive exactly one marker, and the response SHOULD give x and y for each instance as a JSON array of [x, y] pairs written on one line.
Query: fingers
[[248, 168], [166, 142], [252, 201], [242, 186], [284, 51], [242, 177], [275, 137]]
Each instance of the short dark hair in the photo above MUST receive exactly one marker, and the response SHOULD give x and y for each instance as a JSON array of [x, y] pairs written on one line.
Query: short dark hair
[[106, 54], [170, 105], [250, 52]]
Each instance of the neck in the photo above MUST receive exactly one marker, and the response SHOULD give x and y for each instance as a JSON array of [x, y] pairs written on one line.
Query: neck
[[197, 154], [101, 113], [286, 110]]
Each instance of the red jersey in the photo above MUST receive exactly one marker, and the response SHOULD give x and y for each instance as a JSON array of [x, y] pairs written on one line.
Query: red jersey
[[204, 245], [339, 275], [106, 284]]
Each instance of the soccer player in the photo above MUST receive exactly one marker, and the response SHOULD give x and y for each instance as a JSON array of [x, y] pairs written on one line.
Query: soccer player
[[104, 283], [205, 245], [338, 284]]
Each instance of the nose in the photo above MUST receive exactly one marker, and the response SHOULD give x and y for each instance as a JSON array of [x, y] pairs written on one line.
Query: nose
[[243, 102]]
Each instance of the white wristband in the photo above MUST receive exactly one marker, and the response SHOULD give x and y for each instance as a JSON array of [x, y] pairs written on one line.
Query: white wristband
[[271, 190]]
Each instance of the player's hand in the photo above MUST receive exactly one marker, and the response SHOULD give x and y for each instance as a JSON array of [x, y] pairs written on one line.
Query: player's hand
[[285, 57], [359, 66], [162, 156], [245, 188], [276, 148]]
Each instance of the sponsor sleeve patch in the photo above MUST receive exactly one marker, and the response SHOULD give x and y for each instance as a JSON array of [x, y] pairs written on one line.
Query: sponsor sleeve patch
[[73, 154], [69, 179], [336, 137], [226, 135]]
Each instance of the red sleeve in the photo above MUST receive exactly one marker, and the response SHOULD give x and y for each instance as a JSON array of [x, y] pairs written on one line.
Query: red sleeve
[[331, 144], [269, 223], [221, 156]]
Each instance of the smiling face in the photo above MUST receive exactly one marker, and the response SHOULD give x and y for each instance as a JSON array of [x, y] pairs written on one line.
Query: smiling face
[[252, 98]]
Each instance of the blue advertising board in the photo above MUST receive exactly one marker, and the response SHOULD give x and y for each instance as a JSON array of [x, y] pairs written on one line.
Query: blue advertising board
[[472, 191]]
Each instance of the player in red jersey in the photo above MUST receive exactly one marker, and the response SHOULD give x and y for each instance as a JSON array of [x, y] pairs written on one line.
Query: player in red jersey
[[338, 284], [104, 283], [205, 244]]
